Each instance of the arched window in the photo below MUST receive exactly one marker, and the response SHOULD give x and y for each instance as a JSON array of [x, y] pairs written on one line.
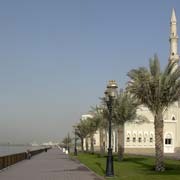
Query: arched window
[[144, 139], [128, 138], [173, 118], [140, 137], [151, 138], [134, 138], [145, 136], [168, 139]]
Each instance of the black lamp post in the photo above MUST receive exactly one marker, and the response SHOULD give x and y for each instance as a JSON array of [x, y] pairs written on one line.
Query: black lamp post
[[68, 148], [75, 145], [110, 95]]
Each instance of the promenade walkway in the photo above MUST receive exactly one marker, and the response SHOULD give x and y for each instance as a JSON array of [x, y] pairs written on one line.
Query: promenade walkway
[[51, 165]]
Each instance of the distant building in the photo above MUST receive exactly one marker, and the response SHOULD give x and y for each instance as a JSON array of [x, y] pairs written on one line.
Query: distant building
[[85, 116], [34, 144], [96, 135], [50, 143]]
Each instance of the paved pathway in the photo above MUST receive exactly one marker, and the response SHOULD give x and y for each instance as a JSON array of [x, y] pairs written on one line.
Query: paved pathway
[[51, 165]]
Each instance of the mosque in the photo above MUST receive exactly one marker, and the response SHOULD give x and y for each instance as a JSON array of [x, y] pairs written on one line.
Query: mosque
[[139, 138]]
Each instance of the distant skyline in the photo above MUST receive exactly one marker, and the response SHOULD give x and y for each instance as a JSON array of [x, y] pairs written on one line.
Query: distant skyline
[[57, 56]]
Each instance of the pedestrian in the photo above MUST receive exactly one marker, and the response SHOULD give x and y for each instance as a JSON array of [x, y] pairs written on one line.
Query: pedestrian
[[28, 154]]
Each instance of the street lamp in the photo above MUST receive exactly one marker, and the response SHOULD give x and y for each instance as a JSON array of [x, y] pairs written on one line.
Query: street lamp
[[75, 145], [68, 148], [110, 96]]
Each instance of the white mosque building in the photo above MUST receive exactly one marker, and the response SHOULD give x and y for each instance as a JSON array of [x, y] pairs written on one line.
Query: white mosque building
[[139, 138]]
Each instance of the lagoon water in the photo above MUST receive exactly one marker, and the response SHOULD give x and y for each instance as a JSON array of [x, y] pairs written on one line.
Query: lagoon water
[[8, 149]]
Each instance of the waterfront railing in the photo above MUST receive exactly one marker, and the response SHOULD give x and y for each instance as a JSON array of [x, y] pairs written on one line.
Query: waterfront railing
[[9, 160]]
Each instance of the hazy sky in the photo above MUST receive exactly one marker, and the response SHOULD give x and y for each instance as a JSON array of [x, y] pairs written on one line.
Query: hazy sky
[[56, 57]]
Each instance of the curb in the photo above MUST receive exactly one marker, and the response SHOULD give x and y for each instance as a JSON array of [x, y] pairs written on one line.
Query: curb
[[97, 175]]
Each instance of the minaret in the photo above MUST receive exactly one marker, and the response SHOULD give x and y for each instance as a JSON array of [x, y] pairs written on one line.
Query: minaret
[[173, 39]]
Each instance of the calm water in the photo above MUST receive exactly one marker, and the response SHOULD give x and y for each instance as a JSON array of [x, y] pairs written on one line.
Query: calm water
[[6, 150]]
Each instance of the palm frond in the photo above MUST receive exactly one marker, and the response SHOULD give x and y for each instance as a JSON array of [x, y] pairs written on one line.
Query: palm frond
[[155, 88]]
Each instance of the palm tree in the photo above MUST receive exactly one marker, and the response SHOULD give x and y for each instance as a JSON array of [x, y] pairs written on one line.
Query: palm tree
[[87, 143], [157, 90], [67, 142], [82, 131], [92, 128], [100, 116], [124, 110]]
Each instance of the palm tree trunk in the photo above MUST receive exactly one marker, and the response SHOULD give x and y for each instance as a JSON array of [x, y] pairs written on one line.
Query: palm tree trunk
[[159, 142], [101, 141], [120, 142], [92, 143], [82, 144], [87, 145]]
